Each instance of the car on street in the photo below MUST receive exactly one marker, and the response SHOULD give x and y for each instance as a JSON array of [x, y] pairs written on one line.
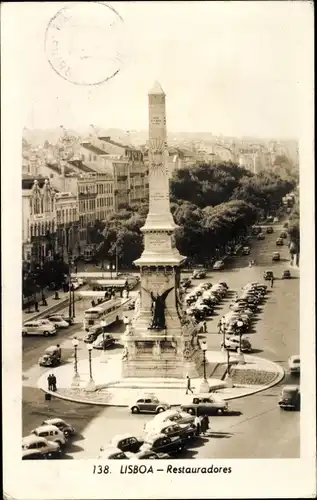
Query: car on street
[[290, 398], [63, 426], [205, 406], [256, 230], [218, 265], [149, 404], [161, 443], [285, 225], [199, 274], [279, 242], [112, 453], [169, 416], [58, 320], [93, 334], [232, 343], [276, 256], [50, 432], [50, 449], [283, 234], [33, 455], [261, 236], [103, 341], [51, 356], [294, 364], [38, 327], [269, 230], [246, 251], [268, 275], [286, 274], [127, 443], [171, 429]]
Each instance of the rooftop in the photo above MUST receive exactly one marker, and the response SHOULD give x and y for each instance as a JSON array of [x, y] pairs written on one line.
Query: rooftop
[[115, 143], [93, 149], [81, 166]]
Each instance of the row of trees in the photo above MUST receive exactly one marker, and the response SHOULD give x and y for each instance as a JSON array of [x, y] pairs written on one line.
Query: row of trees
[[35, 280], [213, 205], [294, 231]]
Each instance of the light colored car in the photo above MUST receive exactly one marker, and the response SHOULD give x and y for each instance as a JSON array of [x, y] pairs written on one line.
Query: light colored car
[[51, 433], [170, 429], [169, 416], [232, 343], [40, 444], [276, 255], [58, 321], [38, 327], [63, 426], [294, 364], [206, 405], [246, 251], [149, 404], [218, 265]]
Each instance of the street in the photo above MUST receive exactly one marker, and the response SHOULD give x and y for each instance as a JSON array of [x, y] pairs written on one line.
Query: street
[[256, 429]]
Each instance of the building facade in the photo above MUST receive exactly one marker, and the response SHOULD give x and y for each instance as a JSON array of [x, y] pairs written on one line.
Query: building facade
[[67, 224]]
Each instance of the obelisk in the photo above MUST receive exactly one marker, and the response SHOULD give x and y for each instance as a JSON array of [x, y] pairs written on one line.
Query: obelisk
[[161, 342]]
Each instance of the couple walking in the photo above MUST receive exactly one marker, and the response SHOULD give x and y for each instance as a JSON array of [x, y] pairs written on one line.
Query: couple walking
[[201, 423], [51, 380]]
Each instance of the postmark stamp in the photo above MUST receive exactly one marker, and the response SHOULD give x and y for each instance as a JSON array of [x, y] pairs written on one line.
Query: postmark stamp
[[83, 43]]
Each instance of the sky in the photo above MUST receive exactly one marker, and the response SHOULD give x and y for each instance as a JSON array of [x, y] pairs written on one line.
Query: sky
[[231, 68]]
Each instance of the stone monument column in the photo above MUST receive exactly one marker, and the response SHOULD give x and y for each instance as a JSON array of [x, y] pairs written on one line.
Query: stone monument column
[[164, 348]]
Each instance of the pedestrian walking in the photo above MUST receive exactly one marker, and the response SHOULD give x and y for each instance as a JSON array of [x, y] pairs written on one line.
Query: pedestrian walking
[[54, 381], [49, 382], [204, 326], [204, 424], [272, 281], [59, 351], [197, 424], [36, 306], [188, 388]]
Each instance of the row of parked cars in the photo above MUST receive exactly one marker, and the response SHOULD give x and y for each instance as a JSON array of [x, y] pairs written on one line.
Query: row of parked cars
[[46, 326], [48, 441], [237, 321], [201, 301]]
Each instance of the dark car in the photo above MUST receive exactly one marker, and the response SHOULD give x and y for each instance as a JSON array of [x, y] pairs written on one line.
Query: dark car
[[286, 274], [34, 455], [150, 455], [163, 444], [246, 251], [290, 398], [261, 236], [126, 442], [276, 256], [103, 342], [269, 230], [283, 234], [285, 225], [268, 275], [93, 334], [279, 242]]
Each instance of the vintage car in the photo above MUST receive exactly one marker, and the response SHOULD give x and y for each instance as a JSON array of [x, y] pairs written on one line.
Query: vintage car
[[160, 443], [67, 429], [294, 364], [269, 230], [127, 442], [38, 327], [148, 454], [290, 398], [93, 334], [171, 429], [169, 416], [218, 265], [286, 275], [261, 236], [33, 455], [276, 256], [268, 275], [58, 320], [51, 433], [49, 448], [205, 406], [51, 356], [149, 404], [279, 242], [103, 341], [246, 251], [199, 274], [112, 453], [232, 343], [283, 234]]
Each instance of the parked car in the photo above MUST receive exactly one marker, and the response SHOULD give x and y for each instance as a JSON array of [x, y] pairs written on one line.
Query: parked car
[[63, 426], [269, 230], [149, 404], [261, 236], [285, 225], [283, 234], [169, 416], [286, 274], [199, 274], [112, 453], [294, 364], [93, 334], [38, 327], [279, 242], [51, 357], [205, 405], [290, 398], [50, 432], [246, 251], [148, 454], [232, 343], [276, 256], [103, 341], [218, 265], [170, 429], [49, 448], [256, 230], [58, 321], [268, 275], [161, 443], [33, 455], [126, 442]]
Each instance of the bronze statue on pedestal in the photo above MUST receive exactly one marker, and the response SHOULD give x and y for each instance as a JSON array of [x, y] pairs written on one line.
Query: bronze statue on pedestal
[[158, 309]]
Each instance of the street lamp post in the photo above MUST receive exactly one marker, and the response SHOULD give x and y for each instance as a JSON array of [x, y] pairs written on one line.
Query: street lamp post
[[103, 325], [75, 381], [91, 386], [240, 353], [204, 387], [228, 379]]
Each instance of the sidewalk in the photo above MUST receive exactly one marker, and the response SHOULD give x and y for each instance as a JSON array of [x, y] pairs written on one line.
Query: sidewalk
[[257, 374], [43, 310]]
